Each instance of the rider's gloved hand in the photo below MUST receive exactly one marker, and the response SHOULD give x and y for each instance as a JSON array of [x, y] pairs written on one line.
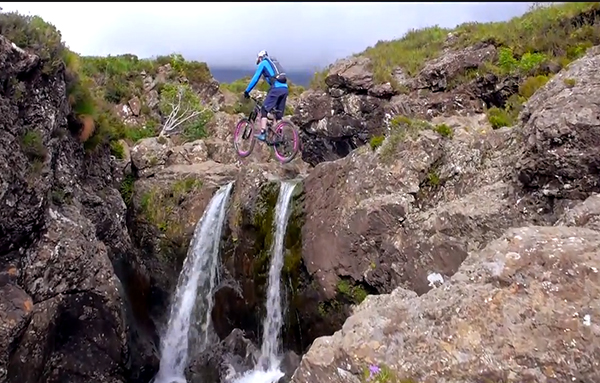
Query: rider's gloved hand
[[246, 94]]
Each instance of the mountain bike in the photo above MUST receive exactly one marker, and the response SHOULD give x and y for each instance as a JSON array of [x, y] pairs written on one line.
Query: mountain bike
[[283, 137]]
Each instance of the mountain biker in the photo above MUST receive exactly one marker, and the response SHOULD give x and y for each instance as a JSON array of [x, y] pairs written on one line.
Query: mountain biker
[[277, 94]]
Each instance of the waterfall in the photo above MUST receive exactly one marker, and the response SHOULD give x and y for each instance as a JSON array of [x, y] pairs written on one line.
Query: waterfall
[[267, 369], [194, 290], [269, 358]]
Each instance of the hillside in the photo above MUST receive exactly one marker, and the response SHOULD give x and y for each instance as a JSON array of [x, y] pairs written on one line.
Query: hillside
[[490, 68], [119, 100], [444, 226]]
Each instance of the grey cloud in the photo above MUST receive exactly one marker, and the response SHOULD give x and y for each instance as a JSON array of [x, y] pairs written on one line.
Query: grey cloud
[[301, 35]]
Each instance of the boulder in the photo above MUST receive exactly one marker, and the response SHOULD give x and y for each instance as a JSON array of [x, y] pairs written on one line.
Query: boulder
[[520, 310]]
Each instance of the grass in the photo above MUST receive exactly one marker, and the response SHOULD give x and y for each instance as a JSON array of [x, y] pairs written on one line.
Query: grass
[[118, 78], [92, 112], [444, 130], [117, 149], [570, 82], [158, 205], [559, 33], [356, 294], [376, 141], [400, 128], [508, 115], [33, 146], [33, 34], [126, 188], [382, 374]]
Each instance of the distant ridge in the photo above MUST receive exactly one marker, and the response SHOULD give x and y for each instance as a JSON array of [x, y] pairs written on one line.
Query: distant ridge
[[231, 74]]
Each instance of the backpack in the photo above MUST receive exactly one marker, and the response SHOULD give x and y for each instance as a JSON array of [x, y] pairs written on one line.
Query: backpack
[[278, 69]]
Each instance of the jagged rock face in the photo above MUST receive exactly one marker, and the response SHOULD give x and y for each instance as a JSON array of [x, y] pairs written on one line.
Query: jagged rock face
[[228, 360], [333, 126], [354, 107], [362, 224], [65, 313], [174, 185], [562, 133], [383, 225], [538, 173], [512, 313]]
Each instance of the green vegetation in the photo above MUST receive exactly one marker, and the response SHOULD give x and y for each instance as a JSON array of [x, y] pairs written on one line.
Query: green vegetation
[[184, 110], [95, 84], [376, 141], [356, 294], [382, 374], [409, 53], [444, 130], [34, 34], [118, 78], [433, 178], [400, 128], [33, 146], [560, 33], [531, 85], [126, 188], [158, 205], [60, 197], [507, 116], [557, 34], [569, 82], [159, 208], [318, 80], [263, 219], [245, 106], [117, 149]]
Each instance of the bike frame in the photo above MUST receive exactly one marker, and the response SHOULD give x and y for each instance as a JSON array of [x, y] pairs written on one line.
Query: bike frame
[[270, 122]]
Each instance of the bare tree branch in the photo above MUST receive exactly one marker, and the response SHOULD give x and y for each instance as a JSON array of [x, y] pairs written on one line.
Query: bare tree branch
[[182, 110]]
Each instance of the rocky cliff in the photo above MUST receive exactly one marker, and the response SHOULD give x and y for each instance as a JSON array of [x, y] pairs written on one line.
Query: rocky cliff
[[517, 298], [66, 258], [446, 212]]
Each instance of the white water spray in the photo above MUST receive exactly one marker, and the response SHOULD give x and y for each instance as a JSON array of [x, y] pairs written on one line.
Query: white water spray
[[270, 356], [194, 290], [267, 369]]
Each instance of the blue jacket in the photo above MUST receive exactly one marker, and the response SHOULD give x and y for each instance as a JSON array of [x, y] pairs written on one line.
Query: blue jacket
[[264, 69]]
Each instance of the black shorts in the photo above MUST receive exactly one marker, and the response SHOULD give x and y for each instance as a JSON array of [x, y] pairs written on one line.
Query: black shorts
[[276, 99]]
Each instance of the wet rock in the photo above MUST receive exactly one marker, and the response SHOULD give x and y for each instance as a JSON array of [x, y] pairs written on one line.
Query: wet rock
[[331, 127], [225, 361]]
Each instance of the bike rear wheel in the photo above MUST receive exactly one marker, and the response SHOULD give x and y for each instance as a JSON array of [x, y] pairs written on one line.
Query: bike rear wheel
[[243, 139], [287, 142]]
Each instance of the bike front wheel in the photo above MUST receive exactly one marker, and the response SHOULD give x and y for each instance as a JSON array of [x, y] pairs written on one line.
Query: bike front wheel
[[286, 142], [243, 139]]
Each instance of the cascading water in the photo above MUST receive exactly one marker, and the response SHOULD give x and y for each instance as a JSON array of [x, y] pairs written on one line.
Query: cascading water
[[269, 357], [267, 368], [194, 288]]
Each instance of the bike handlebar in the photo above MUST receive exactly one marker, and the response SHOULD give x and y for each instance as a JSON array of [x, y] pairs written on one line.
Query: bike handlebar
[[256, 100]]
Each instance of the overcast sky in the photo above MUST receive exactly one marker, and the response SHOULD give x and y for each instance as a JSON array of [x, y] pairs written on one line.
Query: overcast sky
[[300, 35]]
